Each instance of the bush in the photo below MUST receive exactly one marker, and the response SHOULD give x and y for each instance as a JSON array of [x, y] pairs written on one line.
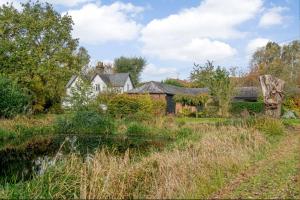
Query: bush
[[13, 100], [270, 126], [251, 107], [137, 107], [84, 122], [135, 128]]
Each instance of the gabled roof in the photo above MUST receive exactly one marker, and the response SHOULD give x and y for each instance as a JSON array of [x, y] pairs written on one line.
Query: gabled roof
[[161, 88], [72, 79], [114, 80]]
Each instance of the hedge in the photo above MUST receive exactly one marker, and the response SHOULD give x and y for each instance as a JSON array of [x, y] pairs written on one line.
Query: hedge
[[128, 106], [251, 107]]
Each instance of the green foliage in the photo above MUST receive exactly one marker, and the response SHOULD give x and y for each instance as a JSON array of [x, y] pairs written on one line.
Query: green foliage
[[85, 122], [219, 83], [292, 103], [136, 128], [81, 97], [174, 82], [38, 52], [132, 106], [251, 107], [159, 107], [134, 66], [270, 126], [279, 61], [13, 100], [192, 100]]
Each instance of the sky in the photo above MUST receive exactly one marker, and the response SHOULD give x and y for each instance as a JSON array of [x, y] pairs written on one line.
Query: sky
[[172, 35]]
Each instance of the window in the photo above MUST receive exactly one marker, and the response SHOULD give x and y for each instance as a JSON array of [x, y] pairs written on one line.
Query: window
[[97, 87]]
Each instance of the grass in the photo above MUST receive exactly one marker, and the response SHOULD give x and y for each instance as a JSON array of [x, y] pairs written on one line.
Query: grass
[[200, 120], [274, 177], [291, 122], [191, 172], [202, 156]]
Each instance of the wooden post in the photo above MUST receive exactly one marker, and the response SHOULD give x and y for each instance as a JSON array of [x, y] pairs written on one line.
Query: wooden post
[[272, 89]]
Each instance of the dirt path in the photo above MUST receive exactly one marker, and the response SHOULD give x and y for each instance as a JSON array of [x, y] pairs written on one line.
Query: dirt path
[[276, 176]]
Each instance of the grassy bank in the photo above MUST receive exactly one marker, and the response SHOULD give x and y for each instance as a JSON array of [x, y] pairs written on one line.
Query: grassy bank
[[197, 164], [198, 160]]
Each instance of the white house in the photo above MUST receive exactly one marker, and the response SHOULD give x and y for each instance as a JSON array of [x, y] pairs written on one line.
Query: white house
[[120, 82]]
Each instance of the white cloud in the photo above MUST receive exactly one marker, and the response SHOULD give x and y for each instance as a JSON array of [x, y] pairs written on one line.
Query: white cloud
[[196, 33], [96, 24], [256, 43], [69, 3], [272, 17], [16, 4], [152, 72]]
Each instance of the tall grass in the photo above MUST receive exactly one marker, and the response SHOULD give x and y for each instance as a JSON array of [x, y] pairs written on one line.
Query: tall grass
[[210, 157]]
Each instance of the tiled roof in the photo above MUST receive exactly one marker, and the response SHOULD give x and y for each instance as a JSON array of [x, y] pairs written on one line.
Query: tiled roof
[[114, 80], [161, 88]]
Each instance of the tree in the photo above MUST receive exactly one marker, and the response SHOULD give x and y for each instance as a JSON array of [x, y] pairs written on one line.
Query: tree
[[38, 52], [13, 99], [201, 74], [82, 96], [174, 82], [279, 61], [218, 81], [134, 66]]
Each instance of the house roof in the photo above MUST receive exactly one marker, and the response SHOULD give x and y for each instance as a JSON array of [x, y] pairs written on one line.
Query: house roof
[[114, 80], [72, 79], [161, 88], [247, 92]]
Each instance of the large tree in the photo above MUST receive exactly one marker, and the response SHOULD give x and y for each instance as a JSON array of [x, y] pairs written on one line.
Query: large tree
[[280, 61], [218, 81], [134, 66], [37, 50]]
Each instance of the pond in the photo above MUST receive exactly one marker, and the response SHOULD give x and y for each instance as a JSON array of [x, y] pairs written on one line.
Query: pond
[[22, 162]]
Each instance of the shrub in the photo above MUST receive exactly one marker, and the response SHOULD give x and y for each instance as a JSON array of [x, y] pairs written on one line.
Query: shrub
[[84, 122], [159, 106], [13, 100], [136, 107], [251, 107], [292, 103], [270, 126], [135, 128]]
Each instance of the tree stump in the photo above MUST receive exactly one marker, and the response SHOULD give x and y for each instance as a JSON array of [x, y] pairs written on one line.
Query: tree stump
[[272, 89]]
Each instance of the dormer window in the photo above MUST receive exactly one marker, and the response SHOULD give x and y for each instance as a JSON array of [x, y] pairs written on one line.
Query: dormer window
[[97, 87]]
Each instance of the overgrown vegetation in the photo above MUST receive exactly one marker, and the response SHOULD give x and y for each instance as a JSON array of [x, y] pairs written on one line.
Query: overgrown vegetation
[[251, 107], [218, 81], [187, 170], [13, 99], [85, 122], [38, 52], [138, 107]]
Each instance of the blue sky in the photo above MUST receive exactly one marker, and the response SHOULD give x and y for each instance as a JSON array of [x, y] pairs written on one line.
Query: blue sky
[[174, 34]]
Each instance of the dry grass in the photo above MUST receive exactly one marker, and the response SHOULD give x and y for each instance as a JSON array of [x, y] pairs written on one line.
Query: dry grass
[[34, 121], [176, 174], [195, 171]]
